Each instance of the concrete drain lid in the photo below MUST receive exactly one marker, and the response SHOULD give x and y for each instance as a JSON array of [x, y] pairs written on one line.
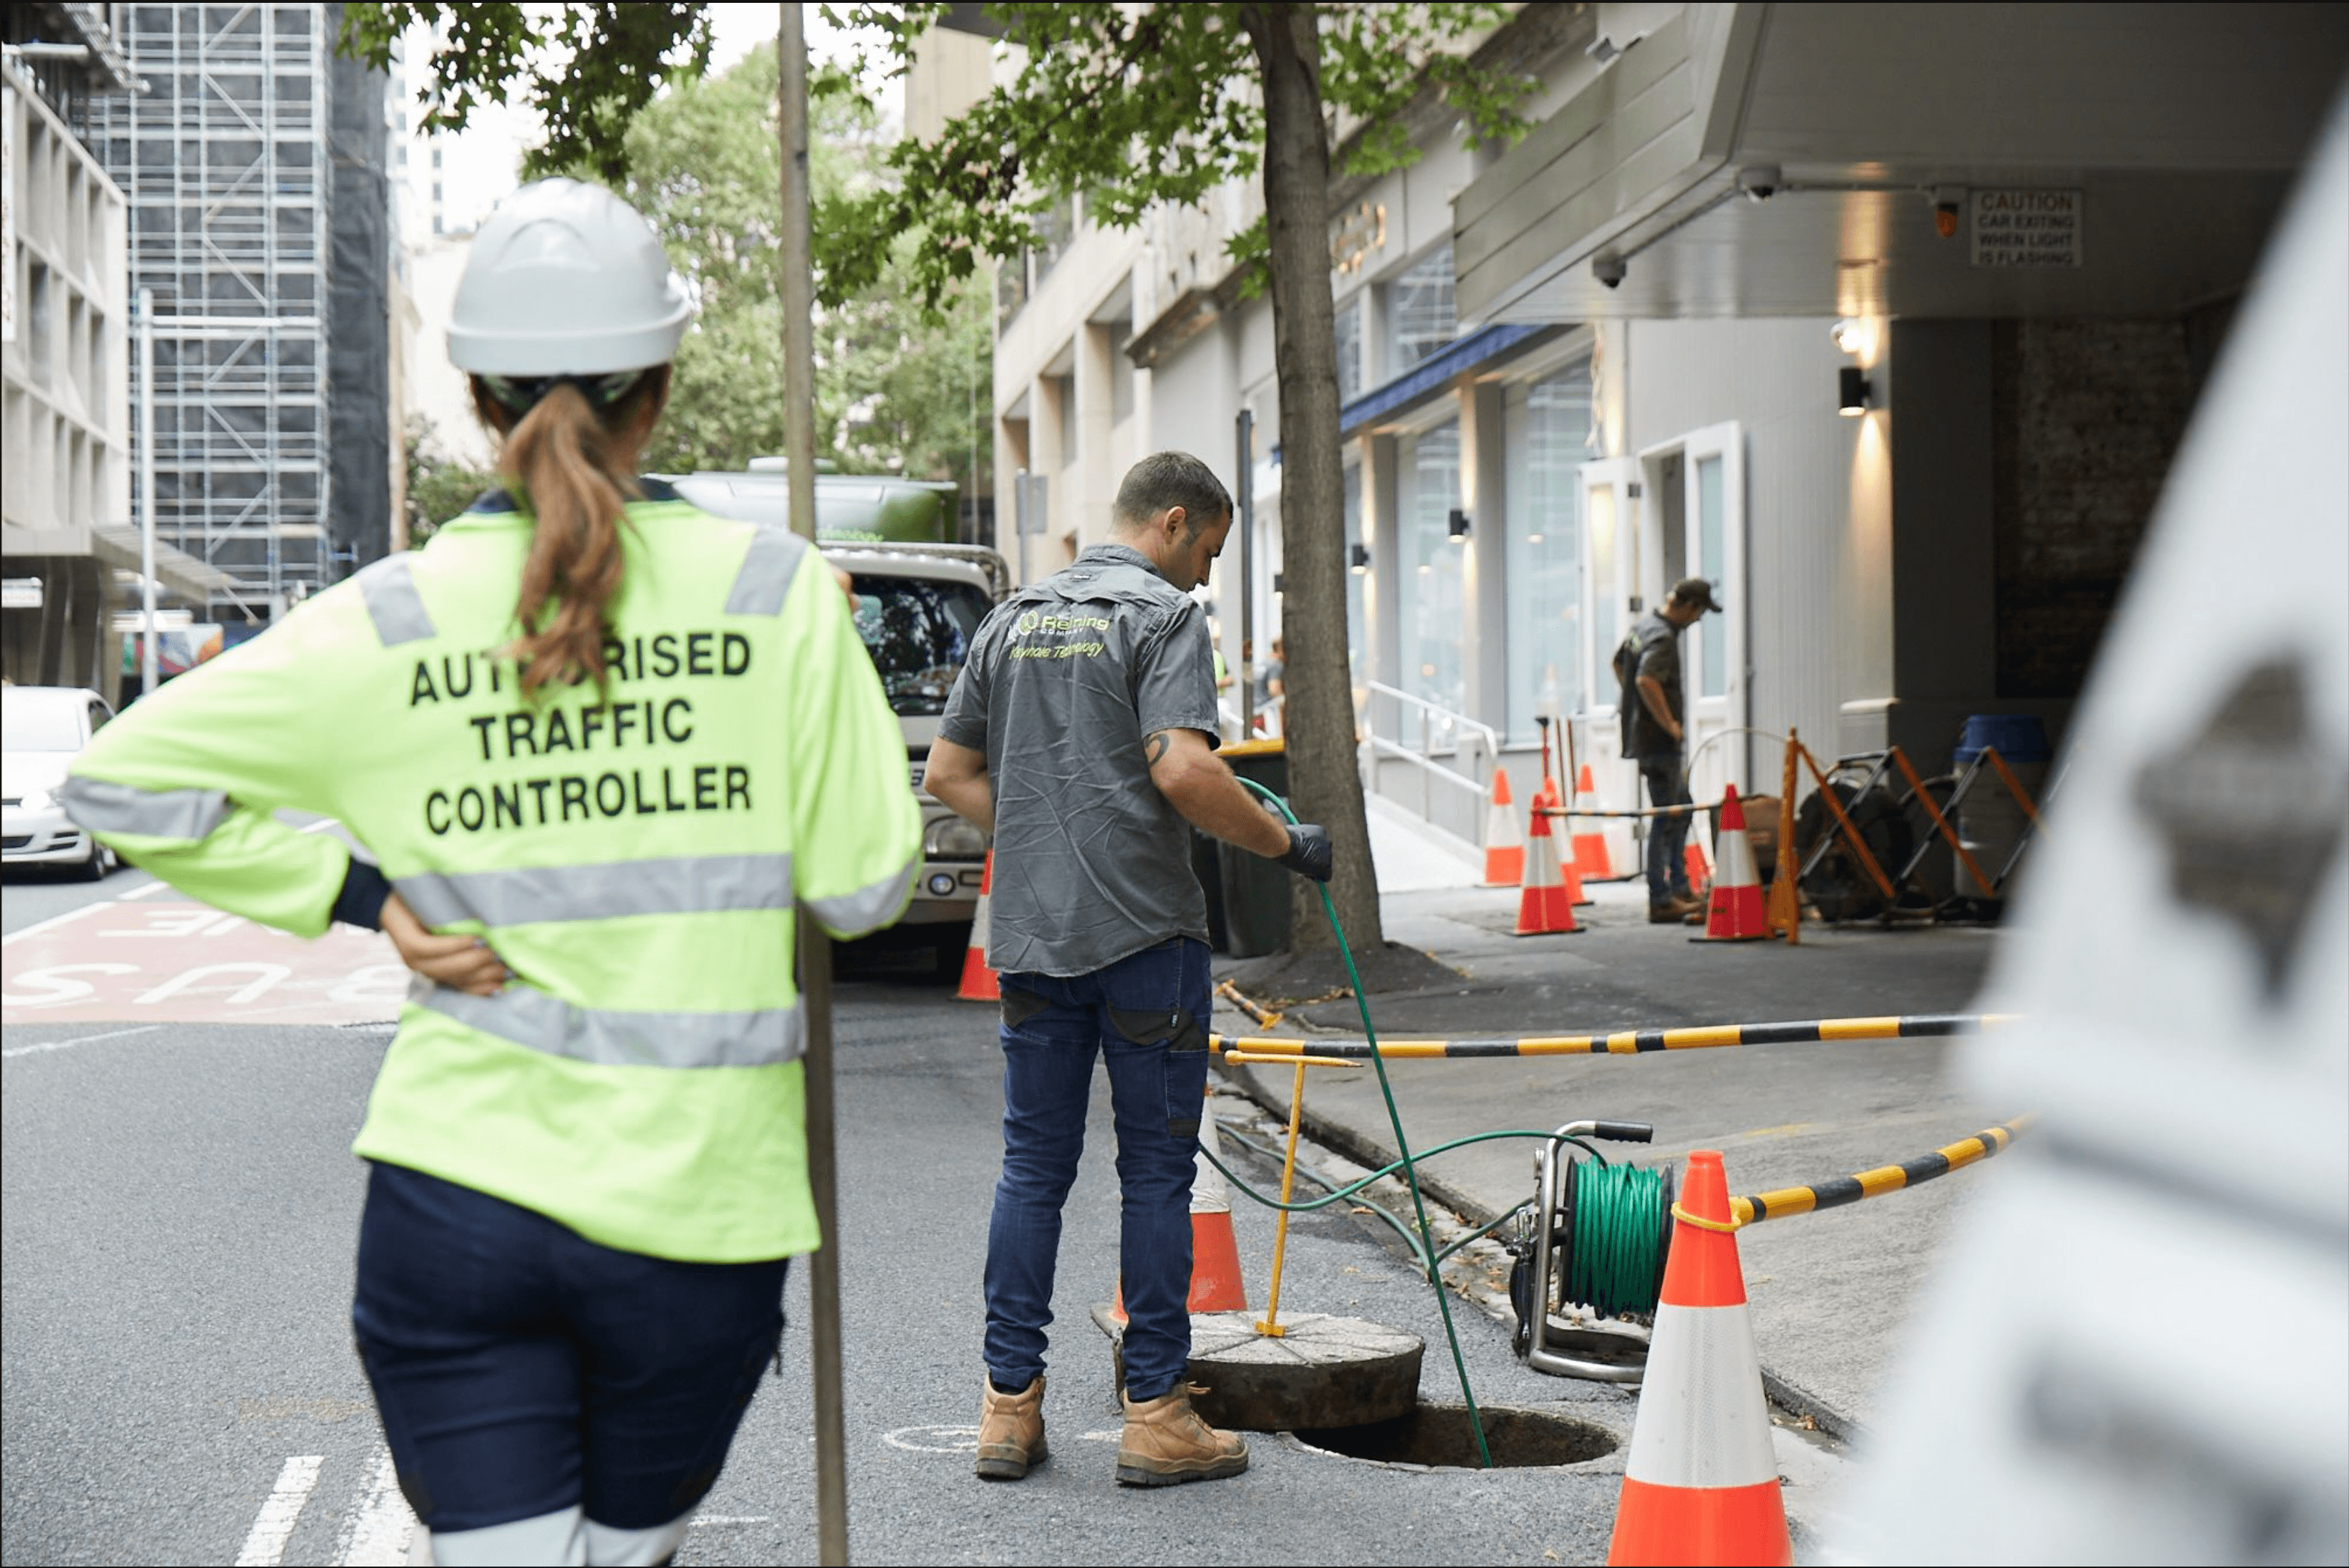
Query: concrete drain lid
[[1439, 1435]]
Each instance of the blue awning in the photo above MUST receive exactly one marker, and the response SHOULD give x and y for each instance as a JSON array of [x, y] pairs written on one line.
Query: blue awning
[[1432, 374]]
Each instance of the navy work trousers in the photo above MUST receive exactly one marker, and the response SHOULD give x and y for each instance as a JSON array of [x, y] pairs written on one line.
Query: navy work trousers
[[522, 1369], [1667, 875], [1130, 1014]]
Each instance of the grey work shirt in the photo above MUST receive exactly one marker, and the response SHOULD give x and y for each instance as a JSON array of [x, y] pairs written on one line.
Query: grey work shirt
[[1660, 660], [1065, 680]]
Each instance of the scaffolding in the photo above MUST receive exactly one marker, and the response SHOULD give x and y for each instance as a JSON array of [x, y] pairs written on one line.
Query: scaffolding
[[225, 161]]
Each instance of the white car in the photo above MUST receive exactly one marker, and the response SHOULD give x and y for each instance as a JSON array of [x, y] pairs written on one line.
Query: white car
[[43, 729]]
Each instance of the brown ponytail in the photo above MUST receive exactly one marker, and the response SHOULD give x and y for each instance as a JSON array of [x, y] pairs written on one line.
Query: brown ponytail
[[562, 458]]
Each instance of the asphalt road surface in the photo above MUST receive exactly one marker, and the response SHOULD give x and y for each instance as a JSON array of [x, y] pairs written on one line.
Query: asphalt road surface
[[181, 1212]]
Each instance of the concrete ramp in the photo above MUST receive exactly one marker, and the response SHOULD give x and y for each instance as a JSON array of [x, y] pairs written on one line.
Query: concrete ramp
[[1415, 856]]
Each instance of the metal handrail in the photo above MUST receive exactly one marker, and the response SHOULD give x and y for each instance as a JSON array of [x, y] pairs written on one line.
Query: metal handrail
[[1424, 756], [1490, 736]]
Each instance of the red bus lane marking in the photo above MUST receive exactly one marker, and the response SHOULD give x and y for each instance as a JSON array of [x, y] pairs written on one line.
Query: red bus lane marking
[[188, 963]]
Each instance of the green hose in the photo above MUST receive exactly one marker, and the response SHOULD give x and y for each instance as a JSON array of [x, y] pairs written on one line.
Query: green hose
[[1426, 1247], [1618, 1249]]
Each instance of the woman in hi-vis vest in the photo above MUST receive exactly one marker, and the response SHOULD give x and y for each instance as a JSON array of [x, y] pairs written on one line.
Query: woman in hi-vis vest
[[593, 742]]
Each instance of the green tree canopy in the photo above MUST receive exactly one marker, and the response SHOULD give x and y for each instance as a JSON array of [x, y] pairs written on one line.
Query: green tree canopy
[[895, 393]]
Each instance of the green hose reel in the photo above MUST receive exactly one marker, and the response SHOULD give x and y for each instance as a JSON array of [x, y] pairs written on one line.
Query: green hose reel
[[1596, 1235]]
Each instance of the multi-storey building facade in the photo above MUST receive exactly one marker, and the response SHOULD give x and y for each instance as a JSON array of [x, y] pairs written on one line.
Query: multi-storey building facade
[[230, 161], [64, 484]]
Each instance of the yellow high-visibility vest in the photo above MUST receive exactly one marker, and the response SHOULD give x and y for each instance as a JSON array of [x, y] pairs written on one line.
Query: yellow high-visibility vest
[[632, 854]]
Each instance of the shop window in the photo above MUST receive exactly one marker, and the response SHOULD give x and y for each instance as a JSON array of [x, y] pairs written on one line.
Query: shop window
[[1349, 351], [1434, 609], [1420, 315], [1549, 439]]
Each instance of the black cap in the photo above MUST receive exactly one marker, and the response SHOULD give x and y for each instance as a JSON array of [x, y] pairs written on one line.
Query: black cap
[[1695, 591]]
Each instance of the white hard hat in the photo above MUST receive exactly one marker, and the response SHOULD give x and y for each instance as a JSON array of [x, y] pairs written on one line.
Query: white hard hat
[[566, 279]]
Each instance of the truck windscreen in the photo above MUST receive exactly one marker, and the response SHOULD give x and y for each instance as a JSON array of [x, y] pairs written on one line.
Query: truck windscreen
[[919, 631]]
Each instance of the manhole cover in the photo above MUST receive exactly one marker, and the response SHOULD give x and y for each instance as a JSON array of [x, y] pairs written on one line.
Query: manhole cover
[[1440, 1435]]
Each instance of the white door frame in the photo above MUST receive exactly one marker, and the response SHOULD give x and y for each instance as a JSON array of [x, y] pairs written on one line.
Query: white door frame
[[1718, 713], [1611, 519]]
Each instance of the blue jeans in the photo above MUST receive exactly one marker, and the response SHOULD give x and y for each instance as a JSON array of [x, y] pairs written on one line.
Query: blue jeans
[[1667, 869], [1147, 1016], [522, 1369]]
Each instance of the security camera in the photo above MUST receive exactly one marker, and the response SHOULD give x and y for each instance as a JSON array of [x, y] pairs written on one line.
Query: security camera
[[1760, 183], [1608, 268]]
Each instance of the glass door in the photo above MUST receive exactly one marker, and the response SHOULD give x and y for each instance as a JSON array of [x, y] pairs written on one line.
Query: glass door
[[1712, 651], [1610, 564]]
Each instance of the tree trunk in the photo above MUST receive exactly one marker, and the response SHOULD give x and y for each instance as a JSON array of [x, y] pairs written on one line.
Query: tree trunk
[[1325, 784]]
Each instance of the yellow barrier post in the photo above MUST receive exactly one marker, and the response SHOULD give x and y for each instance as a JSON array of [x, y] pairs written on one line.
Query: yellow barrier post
[[1271, 1323]]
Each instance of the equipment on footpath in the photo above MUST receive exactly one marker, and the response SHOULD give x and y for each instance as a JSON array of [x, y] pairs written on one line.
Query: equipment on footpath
[[1701, 1483], [1734, 912], [1546, 906], [1504, 846], [1867, 849], [979, 982]]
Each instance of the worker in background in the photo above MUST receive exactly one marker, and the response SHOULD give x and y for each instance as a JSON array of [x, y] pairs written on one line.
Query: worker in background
[[1654, 711], [594, 741], [1082, 735]]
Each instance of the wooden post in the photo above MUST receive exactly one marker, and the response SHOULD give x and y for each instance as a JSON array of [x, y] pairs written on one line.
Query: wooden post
[[814, 956]]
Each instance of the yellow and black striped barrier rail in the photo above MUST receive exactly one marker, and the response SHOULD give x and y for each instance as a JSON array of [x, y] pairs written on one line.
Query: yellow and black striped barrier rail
[[1874, 1184], [1626, 1042]]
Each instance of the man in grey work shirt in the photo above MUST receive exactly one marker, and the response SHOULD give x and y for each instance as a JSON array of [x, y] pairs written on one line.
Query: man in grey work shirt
[[1082, 733]]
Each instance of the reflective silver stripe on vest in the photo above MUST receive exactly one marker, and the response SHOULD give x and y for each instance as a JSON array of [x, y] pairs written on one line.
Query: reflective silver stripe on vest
[[855, 914], [688, 884], [616, 1039], [108, 807], [767, 573], [398, 610]]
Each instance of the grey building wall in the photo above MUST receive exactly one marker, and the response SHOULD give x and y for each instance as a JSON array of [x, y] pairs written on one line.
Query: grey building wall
[[358, 315]]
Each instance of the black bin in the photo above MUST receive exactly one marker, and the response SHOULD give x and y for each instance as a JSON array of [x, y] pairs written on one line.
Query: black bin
[[1256, 891]]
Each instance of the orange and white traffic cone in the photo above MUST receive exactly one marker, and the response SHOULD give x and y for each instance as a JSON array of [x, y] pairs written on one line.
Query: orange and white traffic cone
[[1505, 847], [1735, 911], [1216, 1284], [1589, 840], [1701, 1485], [1692, 857], [979, 982], [1547, 905]]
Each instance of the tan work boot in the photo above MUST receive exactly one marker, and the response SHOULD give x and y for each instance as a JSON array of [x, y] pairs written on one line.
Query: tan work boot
[[1165, 1443], [1011, 1431]]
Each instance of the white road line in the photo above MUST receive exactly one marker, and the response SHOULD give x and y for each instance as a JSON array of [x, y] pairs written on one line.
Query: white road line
[[143, 891], [266, 1545], [54, 921], [80, 1040], [380, 1526]]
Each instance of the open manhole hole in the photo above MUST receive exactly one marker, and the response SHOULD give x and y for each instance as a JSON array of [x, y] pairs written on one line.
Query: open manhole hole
[[1440, 1435]]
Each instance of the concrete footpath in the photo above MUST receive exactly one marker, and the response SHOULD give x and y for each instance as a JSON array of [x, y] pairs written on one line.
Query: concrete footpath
[[1831, 1291]]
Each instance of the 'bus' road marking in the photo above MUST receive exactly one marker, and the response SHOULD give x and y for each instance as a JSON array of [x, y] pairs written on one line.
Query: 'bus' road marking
[[82, 1040], [266, 1545]]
